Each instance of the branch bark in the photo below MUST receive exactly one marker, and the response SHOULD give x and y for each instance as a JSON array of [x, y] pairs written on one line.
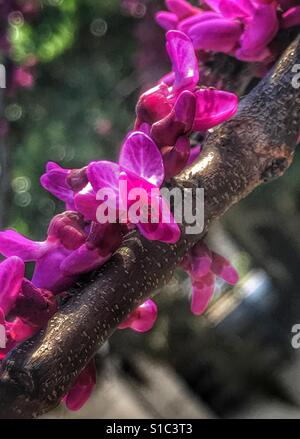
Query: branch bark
[[254, 147]]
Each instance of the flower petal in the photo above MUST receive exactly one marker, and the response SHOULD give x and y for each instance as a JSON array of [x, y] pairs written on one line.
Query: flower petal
[[166, 230], [194, 154], [176, 158], [184, 61], [259, 55], [236, 8], [213, 4], [142, 319], [13, 243], [217, 35], [52, 165], [141, 156], [201, 260], [55, 182], [11, 278], [286, 4], [223, 268], [82, 260], [167, 20], [82, 388], [181, 8], [213, 108], [47, 273], [202, 293], [177, 123], [153, 105], [187, 23], [291, 17], [261, 29], [20, 331], [86, 203], [35, 306], [104, 175]]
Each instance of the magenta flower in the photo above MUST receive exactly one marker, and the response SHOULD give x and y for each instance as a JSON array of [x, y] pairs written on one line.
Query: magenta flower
[[64, 183], [31, 306], [140, 167], [242, 28], [68, 251], [82, 388], [176, 107], [177, 104], [34, 306], [143, 318], [11, 278], [203, 265]]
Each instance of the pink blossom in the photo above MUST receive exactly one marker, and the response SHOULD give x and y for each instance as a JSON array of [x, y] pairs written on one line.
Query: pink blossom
[[140, 166], [64, 183], [242, 28], [203, 266], [31, 306], [143, 318], [82, 388]]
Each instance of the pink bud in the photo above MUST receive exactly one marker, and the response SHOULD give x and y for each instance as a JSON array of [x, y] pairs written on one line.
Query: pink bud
[[177, 123], [77, 179], [175, 159], [34, 305], [181, 8], [143, 318], [82, 388], [153, 105], [223, 268], [201, 261], [202, 293], [68, 228], [167, 20]]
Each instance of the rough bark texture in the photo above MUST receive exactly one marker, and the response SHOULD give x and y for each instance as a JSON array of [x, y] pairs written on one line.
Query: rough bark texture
[[255, 146]]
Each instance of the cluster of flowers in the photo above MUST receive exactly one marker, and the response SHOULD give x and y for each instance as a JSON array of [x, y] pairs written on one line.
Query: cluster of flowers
[[78, 243], [244, 29]]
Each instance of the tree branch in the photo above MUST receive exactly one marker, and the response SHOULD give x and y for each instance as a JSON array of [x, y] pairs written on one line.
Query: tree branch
[[256, 146]]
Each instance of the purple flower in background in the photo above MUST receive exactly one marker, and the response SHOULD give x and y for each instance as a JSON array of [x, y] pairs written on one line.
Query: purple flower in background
[[142, 319], [242, 28], [140, 167]]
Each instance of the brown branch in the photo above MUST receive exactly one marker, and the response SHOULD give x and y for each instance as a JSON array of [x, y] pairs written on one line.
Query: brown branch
[[255, 146]]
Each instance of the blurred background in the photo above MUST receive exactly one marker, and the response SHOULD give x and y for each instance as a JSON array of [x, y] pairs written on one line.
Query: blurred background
[[82, 65]]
